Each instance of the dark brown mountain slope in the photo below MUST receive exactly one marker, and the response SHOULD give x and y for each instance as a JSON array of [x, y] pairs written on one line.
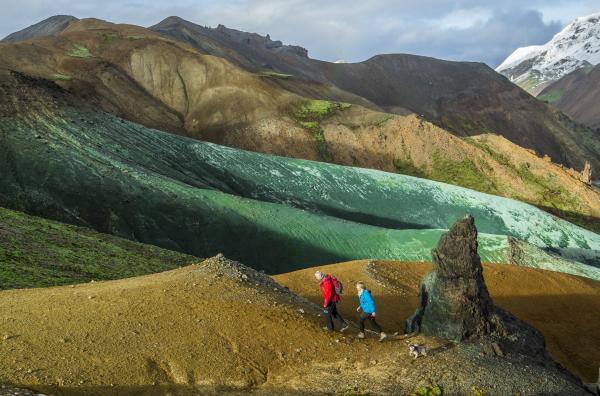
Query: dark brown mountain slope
[[578, 95], [48, 27], [463, 97]]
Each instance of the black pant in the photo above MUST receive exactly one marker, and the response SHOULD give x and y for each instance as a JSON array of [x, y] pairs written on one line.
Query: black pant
[[366, 316], [330, 313]]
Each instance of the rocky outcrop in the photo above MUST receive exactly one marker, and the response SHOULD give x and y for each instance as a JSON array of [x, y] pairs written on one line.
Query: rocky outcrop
[[456, 305], [586, 173], [585, 176]]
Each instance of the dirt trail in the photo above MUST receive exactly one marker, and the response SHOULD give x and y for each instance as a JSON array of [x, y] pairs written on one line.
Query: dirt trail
[[566, 309], [218, 326]]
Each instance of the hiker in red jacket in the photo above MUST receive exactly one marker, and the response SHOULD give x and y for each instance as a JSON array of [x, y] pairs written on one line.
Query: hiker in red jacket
[[330, 299]]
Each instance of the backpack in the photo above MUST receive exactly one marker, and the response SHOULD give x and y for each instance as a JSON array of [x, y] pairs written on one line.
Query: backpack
[[337, 285]]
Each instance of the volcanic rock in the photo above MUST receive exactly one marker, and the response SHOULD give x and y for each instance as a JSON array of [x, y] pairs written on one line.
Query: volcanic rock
[[455, 303]]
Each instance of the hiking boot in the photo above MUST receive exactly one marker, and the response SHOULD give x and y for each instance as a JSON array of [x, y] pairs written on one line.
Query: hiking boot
[[326, 328], [360, 335], [382, 336], [344, 327]]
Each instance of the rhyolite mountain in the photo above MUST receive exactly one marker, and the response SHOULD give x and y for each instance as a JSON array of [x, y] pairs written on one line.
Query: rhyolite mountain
[[66, 160], [577, 95], [47, 27], [166, 84], [463, 97], [575, 47]]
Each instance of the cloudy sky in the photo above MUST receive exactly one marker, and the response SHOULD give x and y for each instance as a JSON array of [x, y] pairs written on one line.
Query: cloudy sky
[[352, 30]]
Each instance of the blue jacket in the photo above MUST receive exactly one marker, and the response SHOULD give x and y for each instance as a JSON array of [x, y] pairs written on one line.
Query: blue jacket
[[367, 305]]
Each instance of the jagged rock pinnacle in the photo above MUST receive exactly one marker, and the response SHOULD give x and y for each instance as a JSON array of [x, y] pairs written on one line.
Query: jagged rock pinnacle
[[455, 303]]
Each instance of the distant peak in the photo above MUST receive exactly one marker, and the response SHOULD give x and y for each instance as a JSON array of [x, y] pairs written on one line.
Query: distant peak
[[574, 47], [48, 27], [171, 21]]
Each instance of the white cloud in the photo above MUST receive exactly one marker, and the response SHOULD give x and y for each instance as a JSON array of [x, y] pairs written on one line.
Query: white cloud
[[464, 18]]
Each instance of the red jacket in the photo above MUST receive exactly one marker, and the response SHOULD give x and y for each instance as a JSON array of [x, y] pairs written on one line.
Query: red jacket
[[328, 291]]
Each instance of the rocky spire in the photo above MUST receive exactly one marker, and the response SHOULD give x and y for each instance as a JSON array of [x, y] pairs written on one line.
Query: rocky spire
[[586, 173], [455, 303]]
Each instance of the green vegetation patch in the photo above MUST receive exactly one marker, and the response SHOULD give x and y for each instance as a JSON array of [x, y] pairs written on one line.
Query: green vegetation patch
[[531, 82], [36, 252], [61, 77], [317, 110], [79, 51], [135, 37], [429, 390], [273, 74], [315, 129], [109, 37], [463, 173], [310, 115], [552, 96]]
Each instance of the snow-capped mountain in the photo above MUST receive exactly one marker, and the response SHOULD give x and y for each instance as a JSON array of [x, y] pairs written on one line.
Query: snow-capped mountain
[[576, 46]]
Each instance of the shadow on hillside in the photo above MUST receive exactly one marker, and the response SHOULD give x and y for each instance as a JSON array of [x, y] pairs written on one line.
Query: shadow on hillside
[[570, 323]]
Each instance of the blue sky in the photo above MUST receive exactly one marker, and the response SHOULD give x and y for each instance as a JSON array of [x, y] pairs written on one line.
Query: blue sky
[[352, 30]]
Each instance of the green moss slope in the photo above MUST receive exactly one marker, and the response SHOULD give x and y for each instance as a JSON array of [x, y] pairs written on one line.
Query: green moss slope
[[36, 252]]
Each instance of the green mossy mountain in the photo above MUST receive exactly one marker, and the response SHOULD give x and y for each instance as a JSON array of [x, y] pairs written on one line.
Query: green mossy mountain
[[72, 163]]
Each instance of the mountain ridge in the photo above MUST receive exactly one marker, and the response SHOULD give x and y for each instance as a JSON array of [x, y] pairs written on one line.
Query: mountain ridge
[[576, 46], [128, 71], [464, 98], [50, 26], [399, 83]]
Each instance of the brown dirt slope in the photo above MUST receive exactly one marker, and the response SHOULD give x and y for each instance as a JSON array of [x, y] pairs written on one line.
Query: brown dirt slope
[[577, 95], [218, 326]]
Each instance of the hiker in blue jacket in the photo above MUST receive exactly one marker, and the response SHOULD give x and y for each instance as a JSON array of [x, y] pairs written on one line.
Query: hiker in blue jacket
[[367, 306]]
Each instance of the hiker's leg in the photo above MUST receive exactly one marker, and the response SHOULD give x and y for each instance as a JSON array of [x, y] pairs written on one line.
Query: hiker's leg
[[361, 321], [329, 316], [375, 324], [337, 315]]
